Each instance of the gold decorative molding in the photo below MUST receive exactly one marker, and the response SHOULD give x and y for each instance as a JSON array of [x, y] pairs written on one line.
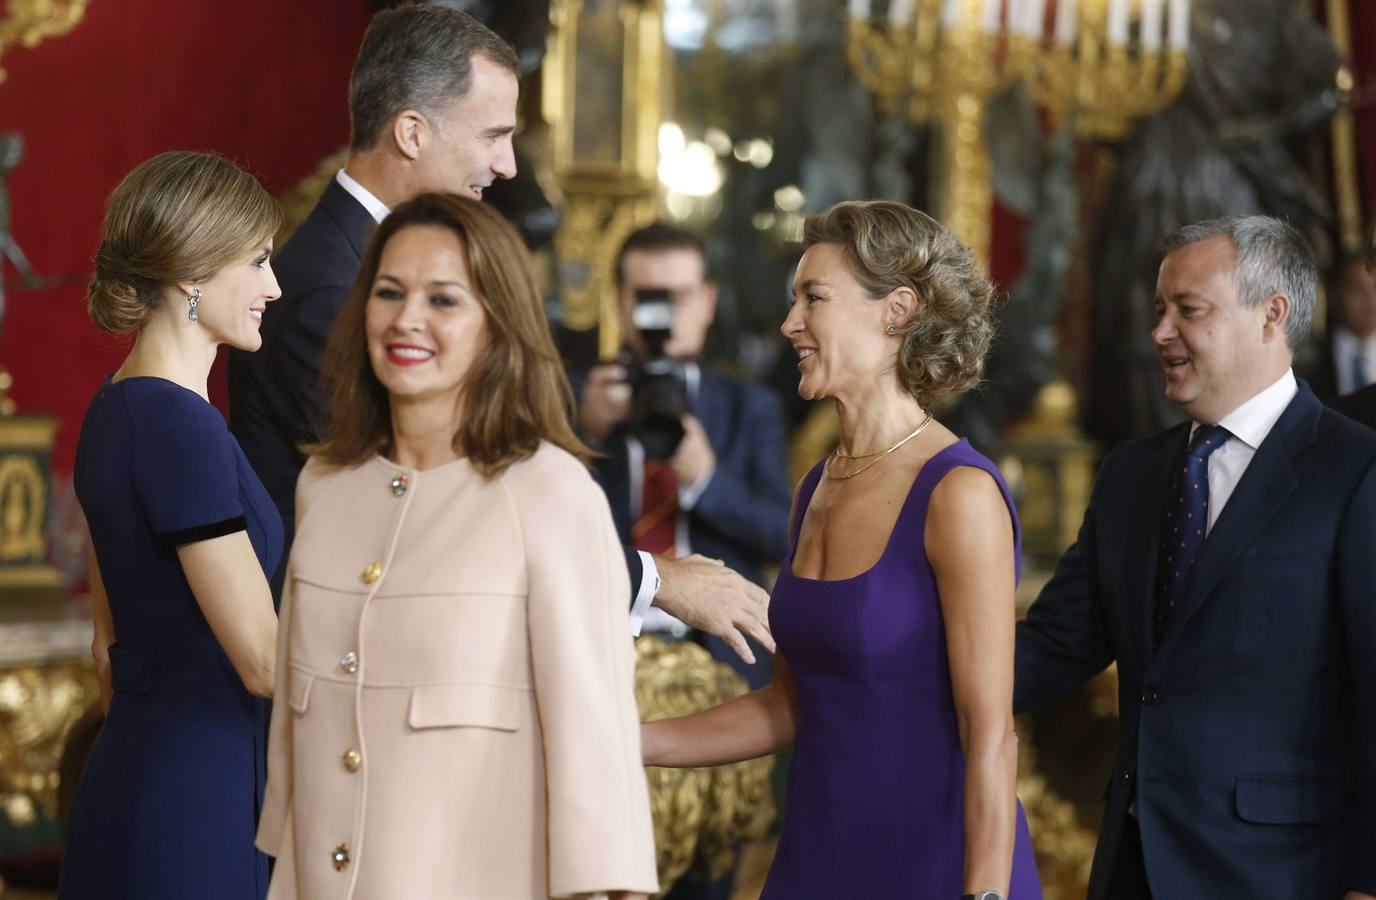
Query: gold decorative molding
[[601, 98], [700, 815], [28, 22], [38, 707]]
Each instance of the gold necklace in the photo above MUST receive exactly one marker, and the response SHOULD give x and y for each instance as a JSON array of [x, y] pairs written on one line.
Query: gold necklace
[[880, 454]]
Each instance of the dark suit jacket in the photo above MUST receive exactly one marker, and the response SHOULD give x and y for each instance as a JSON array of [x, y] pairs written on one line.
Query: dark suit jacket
[[275, 397], [1249, 739]]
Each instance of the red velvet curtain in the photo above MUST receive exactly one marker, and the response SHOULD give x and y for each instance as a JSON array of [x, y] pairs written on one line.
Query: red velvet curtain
[[260, 81]]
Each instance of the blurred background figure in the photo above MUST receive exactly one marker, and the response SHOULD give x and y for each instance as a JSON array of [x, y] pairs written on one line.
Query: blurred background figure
[[695, 460]]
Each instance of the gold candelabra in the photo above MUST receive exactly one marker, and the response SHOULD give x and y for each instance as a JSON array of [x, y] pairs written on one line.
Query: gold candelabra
[[1102, 65]]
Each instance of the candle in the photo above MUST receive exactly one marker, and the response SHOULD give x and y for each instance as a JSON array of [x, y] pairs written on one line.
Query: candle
[[900, 13], [1065, 23], [993, 16], [950, 13], [1151, 25], [860, 9], [1180, 25], [1017, 14], [1118, 23], [1035, 18]]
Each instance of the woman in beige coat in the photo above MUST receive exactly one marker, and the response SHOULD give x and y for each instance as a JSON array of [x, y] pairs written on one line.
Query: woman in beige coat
[[454, 715]]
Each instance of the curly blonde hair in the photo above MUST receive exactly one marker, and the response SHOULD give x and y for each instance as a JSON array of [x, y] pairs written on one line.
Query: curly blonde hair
[[888, 245]]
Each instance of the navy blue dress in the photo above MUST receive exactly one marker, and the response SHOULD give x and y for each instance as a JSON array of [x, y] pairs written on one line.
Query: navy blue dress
[[169, 800]]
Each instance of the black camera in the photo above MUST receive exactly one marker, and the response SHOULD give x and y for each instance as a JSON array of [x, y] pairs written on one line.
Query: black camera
[[659, 385]]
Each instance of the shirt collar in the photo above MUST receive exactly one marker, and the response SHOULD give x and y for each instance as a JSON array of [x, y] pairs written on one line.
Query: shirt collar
[[375, 207], [1252, 421]]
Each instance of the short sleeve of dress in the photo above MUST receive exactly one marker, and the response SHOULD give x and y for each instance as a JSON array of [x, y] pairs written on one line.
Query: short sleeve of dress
[[186, 475]]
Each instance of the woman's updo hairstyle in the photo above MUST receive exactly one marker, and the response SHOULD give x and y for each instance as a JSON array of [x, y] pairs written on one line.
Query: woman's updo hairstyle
[[888, 245], [179, 217]]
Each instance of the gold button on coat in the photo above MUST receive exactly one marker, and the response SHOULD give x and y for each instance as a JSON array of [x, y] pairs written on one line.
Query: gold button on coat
[[340, 857], [352, 760], [349, 662], [373, 572]]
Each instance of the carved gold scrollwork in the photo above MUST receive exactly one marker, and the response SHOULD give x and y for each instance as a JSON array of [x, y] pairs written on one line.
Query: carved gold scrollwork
[[700, 815], [28, 22], [38, 707]]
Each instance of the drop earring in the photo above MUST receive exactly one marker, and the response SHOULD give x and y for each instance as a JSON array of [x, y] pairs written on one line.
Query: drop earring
[[192, 302], [891, 329]]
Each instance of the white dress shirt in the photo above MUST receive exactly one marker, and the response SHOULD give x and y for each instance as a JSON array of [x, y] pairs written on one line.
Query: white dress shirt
[[1346, 347], [1248, 426], [375, 207]]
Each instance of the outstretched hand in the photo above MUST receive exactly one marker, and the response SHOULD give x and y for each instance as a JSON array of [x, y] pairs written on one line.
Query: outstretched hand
[[705, 594]]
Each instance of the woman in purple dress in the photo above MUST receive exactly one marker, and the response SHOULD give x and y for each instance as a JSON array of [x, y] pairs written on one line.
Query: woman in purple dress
[[893, 612]]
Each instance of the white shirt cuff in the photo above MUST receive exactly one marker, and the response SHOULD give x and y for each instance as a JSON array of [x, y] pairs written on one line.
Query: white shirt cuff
[[649, 586], [688, 496]]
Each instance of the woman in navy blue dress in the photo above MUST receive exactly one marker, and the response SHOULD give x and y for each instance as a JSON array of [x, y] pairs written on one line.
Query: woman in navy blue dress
[[182, 533]]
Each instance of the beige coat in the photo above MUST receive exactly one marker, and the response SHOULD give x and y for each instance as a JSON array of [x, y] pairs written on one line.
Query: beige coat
[[454, 715]]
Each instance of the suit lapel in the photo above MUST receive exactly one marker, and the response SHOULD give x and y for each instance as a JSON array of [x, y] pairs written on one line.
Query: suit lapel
[[1144, 541], [1270, 479]]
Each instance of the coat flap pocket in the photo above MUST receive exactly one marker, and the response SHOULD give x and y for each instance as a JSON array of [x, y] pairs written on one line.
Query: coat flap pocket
[[1285, 800], [299, 683], [481, 705]]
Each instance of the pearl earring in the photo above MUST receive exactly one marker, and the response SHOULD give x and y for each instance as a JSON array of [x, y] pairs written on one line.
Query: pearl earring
[[891, 329], [192, 302]]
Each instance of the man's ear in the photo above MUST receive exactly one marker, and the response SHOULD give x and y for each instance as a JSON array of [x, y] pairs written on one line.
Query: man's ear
[[709, 299], [1277, 309], [410, 132]]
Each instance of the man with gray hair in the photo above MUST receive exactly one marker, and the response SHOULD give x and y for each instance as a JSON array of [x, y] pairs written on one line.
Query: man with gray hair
[[432, 105], [1228, 566]]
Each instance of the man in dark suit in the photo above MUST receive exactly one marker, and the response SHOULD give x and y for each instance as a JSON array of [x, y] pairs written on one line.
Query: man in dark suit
[[1347, 359], [1361, 404], [432, 101], [722, 491], [1227, 566]]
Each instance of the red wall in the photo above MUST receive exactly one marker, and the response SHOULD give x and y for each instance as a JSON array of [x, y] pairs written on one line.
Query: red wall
[[260, 81]]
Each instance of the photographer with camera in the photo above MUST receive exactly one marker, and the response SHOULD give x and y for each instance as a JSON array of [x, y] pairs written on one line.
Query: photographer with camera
[[695, 462]]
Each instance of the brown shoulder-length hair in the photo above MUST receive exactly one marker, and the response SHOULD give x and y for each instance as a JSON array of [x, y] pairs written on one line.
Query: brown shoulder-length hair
[[514, 396]]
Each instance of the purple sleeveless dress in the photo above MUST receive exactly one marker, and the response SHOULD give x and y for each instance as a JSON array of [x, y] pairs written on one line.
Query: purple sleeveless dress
[[876, 789]]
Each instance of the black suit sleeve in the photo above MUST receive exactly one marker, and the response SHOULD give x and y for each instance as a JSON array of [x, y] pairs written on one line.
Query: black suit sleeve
[[1357, 596], [751, 508], [636, 570], [1064, 640]]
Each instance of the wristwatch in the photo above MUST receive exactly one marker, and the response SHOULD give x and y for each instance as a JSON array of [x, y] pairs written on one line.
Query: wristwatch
[[983, 895]]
